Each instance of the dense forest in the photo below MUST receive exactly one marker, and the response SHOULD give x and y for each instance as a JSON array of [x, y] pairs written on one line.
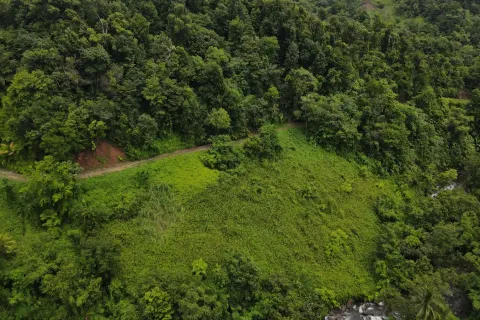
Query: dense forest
[[388, 95]]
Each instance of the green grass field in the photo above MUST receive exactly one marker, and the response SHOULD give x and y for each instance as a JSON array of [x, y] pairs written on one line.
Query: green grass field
[[309, 214]]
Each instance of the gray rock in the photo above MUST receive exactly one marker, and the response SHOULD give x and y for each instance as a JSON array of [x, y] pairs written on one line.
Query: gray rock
[[361, 308], [369, 311], [365, 311]]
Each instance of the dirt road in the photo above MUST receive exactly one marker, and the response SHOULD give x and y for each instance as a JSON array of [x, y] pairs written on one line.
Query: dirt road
[[125, 165], [12, 176]]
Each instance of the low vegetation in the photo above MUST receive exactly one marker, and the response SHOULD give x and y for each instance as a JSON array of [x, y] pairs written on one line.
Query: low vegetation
[[271, 220]]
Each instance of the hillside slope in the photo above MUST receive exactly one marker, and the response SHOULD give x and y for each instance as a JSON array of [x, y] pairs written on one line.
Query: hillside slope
[[288, 216]]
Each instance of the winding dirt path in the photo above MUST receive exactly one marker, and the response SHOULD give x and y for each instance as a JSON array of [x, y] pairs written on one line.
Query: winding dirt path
[[4, 174], [126, 165]]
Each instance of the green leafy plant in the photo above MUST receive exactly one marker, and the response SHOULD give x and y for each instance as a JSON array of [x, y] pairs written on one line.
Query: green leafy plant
[[223, 155], [157, 305], [265, 146], [7, 244]]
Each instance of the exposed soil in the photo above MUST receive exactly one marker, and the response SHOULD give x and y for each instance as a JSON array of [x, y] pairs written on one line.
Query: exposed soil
[[464, 94], [125, 165], [368, 5], [12, 176], [104, 156]]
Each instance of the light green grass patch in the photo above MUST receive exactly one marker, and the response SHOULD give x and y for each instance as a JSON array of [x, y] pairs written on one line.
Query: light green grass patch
[[166, 145], [454, 101], [307, 216], [185, 173], [280, 214]]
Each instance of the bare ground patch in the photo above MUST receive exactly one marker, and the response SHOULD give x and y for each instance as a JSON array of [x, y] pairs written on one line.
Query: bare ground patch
[[368, 5], [105, 155], [4, 174], [464, 94]]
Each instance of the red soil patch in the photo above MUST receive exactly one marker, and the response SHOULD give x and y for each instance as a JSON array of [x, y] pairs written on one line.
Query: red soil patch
[[463, 94], [104, 156], [367, 5]]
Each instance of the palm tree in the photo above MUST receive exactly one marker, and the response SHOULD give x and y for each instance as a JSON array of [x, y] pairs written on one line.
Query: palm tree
[[8, 149], [7, 244], [428, 304]]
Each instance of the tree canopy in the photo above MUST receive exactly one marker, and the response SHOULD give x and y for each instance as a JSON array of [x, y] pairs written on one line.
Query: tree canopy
[[394, 87]]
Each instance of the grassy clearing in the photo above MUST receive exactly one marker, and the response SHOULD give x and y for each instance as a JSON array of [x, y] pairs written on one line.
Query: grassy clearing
[[309, 215], [185, 173], [454, 101], [386, 9]]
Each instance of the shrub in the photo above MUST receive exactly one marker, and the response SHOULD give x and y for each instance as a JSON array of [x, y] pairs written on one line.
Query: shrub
[[327, 297], [337, 243], [265, 146], [219, 119], [223, 155], [346, 187], [447, 177], [7, 244], [199, 268], [388, 208], [51, 189], [157, 305], [145, 132], [142, 178]]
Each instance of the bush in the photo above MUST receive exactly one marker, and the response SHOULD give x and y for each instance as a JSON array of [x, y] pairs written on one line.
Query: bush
[[145, 132], [337, 244], [446, 178], [223, 155], [142, 178], [219, 119], [7, 244], [157, 305], [388, 208], [346, 187], [51, 189], [265, 146]]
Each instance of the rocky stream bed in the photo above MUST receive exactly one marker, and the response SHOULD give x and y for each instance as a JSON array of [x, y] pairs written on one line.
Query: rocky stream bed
[[364, 311]]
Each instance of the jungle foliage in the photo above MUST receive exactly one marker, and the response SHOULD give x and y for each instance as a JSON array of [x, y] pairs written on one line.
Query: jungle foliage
[[299, 230]]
